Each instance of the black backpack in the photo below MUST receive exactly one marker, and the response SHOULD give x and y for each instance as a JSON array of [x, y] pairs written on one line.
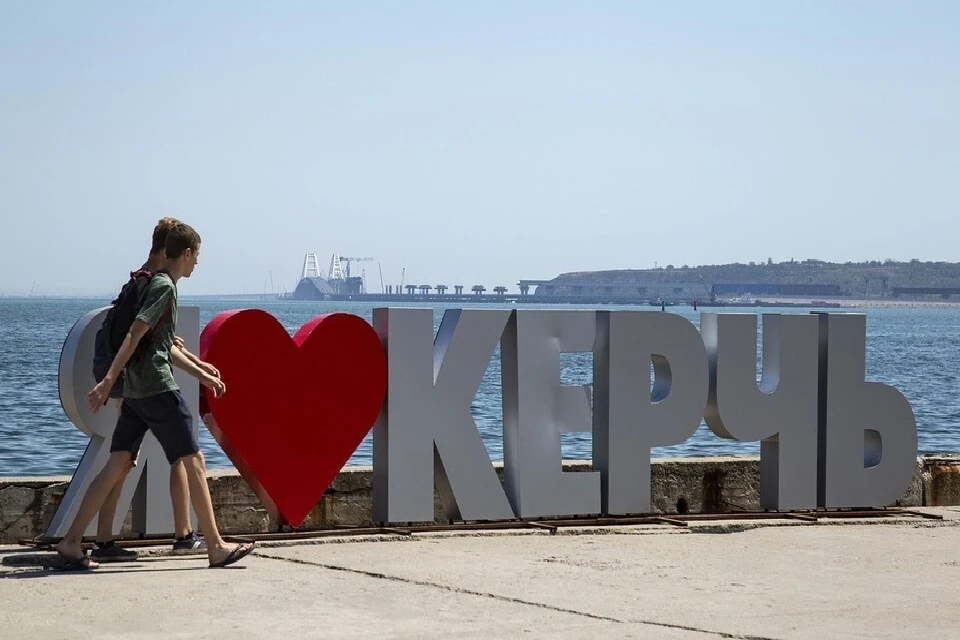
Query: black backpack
[[117, 324]]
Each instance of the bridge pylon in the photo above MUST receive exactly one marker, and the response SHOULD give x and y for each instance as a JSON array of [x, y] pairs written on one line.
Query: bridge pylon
[[311, 266]]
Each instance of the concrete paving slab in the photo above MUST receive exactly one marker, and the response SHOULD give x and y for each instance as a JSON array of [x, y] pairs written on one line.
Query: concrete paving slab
[[852, 580], [171, 597], [842, 579]]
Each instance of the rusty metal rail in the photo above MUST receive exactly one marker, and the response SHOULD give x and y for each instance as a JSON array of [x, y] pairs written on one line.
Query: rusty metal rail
[[551, 525]]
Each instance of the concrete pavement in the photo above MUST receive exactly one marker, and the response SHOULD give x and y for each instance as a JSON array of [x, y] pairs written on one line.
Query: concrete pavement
[[889, 578]]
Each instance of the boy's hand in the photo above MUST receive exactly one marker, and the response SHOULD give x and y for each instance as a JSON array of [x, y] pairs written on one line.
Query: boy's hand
[[214, 383], [209, 368], [178, 342], [98, 396]]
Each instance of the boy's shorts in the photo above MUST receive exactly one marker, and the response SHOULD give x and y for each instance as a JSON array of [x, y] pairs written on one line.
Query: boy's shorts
[[136, 451], [166, 415]]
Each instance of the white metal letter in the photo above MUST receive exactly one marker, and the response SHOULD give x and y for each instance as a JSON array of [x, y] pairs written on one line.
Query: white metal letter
[[629, 416], [869, 430], [537, 409], [425, 430], [780, 411], [152, 510]]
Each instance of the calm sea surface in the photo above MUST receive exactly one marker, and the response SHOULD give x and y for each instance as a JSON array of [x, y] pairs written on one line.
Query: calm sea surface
[[915, 350]]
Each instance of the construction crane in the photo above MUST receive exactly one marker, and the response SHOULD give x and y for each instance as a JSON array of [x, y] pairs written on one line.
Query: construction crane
[[347, 261], [340, 266], [709, 291]]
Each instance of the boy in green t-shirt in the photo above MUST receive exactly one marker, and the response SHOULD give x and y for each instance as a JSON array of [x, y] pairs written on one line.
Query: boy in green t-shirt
[[152, 400], [186, 540]]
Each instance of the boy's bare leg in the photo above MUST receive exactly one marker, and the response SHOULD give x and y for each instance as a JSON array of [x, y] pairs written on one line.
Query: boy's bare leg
[[109, 510], [180, 496], [117, 465], [217, 549]]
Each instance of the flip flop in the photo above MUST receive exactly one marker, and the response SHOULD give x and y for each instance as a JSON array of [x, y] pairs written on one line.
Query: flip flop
[[83, 563], [239, 552]]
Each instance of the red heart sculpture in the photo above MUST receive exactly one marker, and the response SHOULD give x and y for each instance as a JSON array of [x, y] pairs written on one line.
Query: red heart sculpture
[[295, 409]]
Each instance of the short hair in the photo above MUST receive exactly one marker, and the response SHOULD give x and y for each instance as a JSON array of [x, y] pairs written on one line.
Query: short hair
[[180, 238], [160, 234]]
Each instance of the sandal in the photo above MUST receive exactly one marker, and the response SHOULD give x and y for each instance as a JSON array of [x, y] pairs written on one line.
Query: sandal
[[83, 563], [239, 552]]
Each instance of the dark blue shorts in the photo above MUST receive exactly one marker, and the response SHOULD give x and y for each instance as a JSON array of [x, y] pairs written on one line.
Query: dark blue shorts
[[166, 415]]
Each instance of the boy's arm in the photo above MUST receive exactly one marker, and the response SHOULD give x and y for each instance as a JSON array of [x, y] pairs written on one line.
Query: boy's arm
[[99, 394], [206, 366], [181, 361]]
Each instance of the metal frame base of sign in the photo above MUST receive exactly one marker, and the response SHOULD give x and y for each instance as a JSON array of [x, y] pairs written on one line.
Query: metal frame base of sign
[[551, 525]]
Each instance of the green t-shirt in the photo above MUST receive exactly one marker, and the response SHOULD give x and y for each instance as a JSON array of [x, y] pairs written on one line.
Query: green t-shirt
[[150, 372]]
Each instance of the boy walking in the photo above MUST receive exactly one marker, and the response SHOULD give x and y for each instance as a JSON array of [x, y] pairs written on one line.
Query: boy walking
[[152, 400], [186, 541]]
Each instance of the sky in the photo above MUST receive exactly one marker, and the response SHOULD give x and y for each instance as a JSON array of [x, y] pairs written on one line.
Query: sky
[[463, 143]]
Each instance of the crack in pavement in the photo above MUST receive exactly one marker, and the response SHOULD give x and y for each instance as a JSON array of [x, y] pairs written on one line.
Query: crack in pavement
[[502, 598]]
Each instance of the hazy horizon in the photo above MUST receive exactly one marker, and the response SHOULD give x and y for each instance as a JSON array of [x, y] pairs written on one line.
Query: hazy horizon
[[473, 143]]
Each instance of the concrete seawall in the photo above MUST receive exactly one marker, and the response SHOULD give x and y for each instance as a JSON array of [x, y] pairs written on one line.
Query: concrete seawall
[[697, 485]]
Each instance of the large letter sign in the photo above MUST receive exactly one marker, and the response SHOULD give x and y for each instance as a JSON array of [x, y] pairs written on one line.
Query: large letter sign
[[537, 409], [630, 416], [781, 411], [869, 437], [152, 510], [425, 434], [296, 409]]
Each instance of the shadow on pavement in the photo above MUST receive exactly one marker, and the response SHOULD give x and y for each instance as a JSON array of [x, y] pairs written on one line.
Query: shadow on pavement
[[53, 570]]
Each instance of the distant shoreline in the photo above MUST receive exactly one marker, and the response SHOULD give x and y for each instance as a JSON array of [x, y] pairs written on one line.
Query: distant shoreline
[[759, 303], [872, 304]]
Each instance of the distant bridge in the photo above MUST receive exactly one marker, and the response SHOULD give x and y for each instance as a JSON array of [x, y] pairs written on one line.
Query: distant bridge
[[576, 290]]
